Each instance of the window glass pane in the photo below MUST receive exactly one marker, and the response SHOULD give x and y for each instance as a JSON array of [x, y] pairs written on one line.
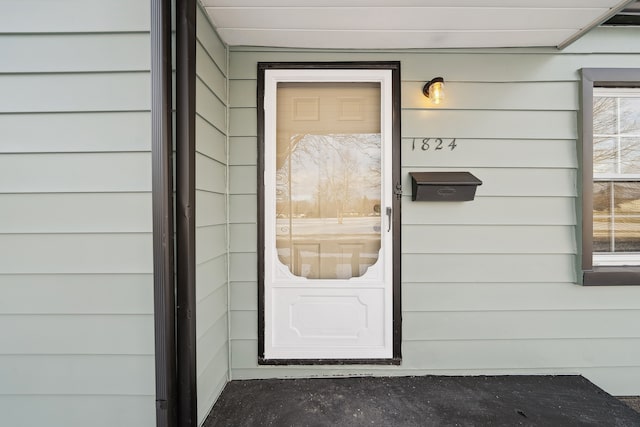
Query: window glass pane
[[604, 155], [626, 224], [629, 155], [630, 116], [604, 116], [328, 178], [602, 217]]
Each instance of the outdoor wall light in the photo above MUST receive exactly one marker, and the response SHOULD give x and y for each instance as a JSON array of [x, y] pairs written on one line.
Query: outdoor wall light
[[434, 90]]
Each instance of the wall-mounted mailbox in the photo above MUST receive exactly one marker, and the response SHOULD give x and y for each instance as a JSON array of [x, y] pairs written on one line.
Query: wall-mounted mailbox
[[443, 186]]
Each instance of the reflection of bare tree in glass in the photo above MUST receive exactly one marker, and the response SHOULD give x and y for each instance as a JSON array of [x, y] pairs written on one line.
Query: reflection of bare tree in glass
[[345, 170], [336, 185], [351, 170], [613, 152], [615, 137]]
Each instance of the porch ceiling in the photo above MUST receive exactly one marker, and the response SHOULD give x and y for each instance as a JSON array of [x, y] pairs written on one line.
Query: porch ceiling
[[399, 24]]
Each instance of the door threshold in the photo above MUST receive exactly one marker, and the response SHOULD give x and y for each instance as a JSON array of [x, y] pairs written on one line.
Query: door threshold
[[281, 362]]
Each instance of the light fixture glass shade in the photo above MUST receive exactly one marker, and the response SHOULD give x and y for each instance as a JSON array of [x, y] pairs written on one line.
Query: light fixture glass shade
[[434, 90]]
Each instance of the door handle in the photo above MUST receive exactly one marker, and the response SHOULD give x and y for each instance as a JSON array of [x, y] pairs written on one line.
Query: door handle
[[389, 219]]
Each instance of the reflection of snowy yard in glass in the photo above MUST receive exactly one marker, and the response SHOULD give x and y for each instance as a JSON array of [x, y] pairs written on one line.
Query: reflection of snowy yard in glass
[[620, 235], [323, 248], [325, 226]]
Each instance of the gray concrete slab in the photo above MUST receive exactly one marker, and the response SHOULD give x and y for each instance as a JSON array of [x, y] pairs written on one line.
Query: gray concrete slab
[[420, 401]]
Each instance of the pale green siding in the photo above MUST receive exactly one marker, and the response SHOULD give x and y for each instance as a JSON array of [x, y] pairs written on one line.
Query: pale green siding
[[76, 312], [212, 328], [489, 286]]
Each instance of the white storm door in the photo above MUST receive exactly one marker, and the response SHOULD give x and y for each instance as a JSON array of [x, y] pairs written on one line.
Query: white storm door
[[328, 229]]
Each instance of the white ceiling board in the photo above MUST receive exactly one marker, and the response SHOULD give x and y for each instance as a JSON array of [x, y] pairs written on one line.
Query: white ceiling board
[[408, 3], [394, 39], [406, 18], [386, 24]]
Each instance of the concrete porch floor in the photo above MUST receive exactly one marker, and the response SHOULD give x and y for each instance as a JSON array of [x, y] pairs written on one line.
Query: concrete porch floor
[[420, 401]]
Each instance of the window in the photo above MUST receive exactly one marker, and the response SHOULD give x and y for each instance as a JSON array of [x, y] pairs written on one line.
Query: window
[[611, 176]]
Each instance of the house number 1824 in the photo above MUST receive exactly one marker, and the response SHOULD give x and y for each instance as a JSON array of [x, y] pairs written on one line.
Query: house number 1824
[[426, 144]]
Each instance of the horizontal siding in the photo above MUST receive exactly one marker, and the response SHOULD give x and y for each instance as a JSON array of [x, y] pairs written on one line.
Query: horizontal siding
[[519, 325], [210, 208], [26, 93], [510, 124], [208, 38], [211, 275], [244, 296], [528, 296], [534, 96], [514, 210], [80, 253], [245, 238], [243, 208], [209, 106], [238, 267], [213, 379], [496, 153], [497, 325], [488, 356], [58, 53], [78, 374], [211, 343], [517, 182], [601, 39], [493, 277], [76, 293], [243, 325], [211, 242], [522, 353], [78, 132], [212, 320], [531, 96], [210, 74], [543, 65], [243, 179], [60, 172], [76, 312], [212, 331], [467, 239], [243, 122], [75, 213], [211, 175], [71, 16], [210, 141], [76, 334], [243, 151], [96, 410], [487, 268]]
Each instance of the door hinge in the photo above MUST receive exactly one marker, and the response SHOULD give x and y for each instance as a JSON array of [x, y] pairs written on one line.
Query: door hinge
[[398, 191]]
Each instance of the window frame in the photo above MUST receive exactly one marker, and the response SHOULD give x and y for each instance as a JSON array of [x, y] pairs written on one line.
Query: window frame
[[605, 78]]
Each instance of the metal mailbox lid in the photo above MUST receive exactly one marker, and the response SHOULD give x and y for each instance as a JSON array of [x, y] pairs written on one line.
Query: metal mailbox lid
[[445, 178]]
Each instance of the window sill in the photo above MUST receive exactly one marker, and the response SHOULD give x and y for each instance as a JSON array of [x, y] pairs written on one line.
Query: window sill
[[612, 276]]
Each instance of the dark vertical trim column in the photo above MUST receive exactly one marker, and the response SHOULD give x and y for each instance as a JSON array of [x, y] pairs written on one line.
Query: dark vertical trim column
[[397, 209], [185, 211], [260, 214], [162, 191]]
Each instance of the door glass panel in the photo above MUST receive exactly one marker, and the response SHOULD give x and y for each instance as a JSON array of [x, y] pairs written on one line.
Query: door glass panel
[[328, 178]]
